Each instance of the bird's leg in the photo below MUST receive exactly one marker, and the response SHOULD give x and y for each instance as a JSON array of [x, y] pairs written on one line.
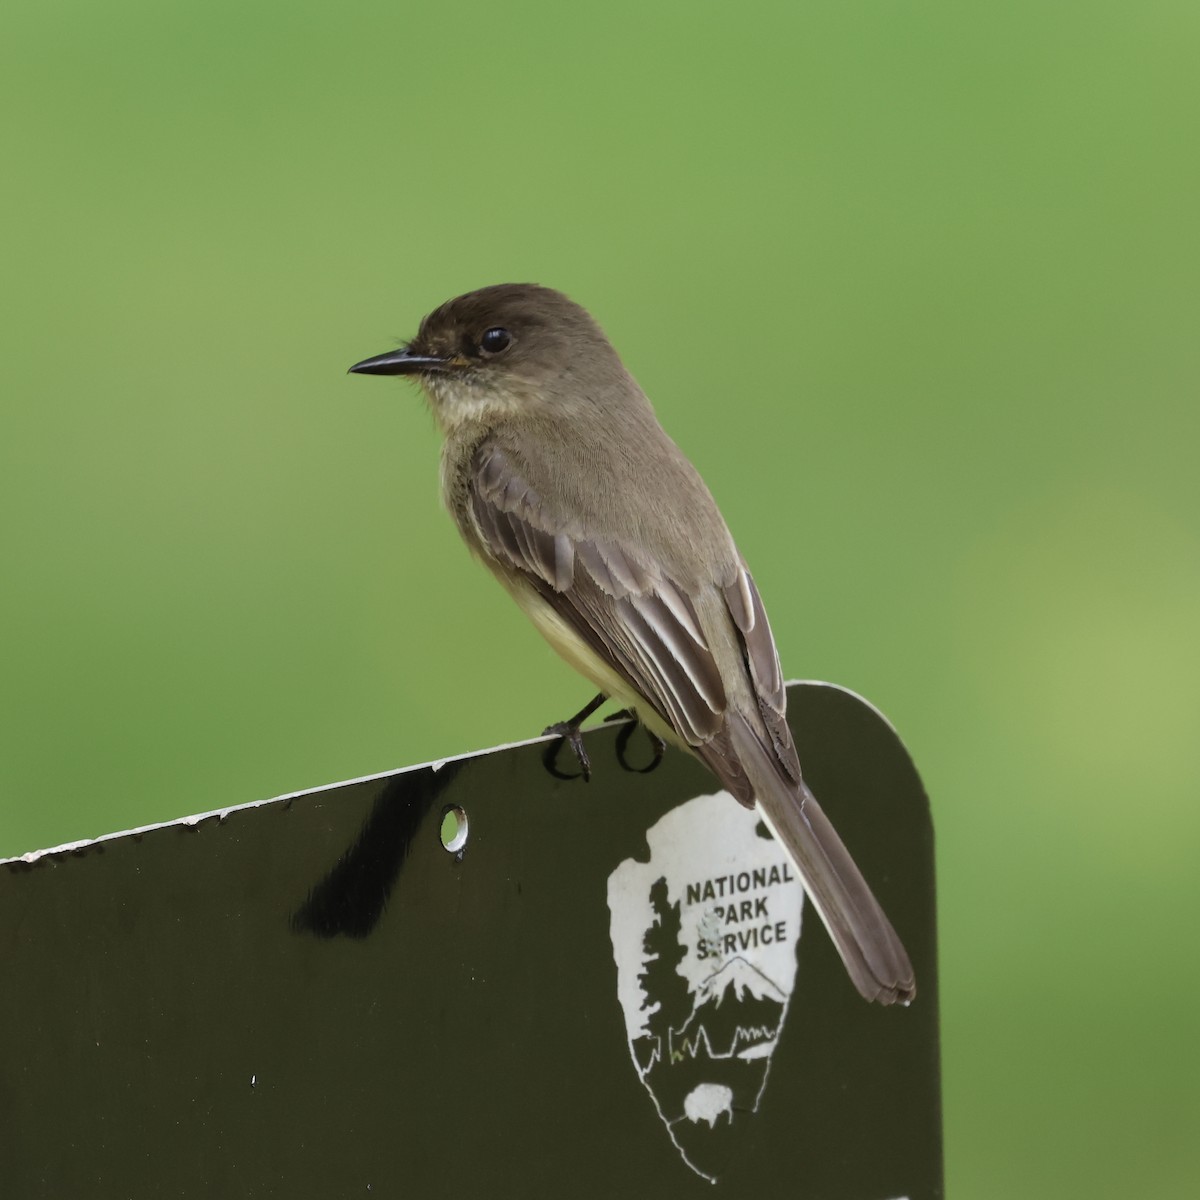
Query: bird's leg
[[659, 746], [568, 730]]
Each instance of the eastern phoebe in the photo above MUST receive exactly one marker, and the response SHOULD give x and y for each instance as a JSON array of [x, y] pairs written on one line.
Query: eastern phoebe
[[563, 483]]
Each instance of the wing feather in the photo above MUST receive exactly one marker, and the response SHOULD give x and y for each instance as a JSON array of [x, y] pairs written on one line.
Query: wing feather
[[624, 607], [762, 658]]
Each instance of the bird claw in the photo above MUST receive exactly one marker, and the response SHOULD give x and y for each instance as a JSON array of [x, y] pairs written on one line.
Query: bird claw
[[573, 737], [570, 732]]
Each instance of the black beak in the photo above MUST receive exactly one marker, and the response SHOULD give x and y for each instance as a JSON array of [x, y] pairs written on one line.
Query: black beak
[[399, 362]]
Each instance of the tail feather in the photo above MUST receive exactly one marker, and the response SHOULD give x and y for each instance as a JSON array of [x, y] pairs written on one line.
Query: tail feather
[[870, 948]]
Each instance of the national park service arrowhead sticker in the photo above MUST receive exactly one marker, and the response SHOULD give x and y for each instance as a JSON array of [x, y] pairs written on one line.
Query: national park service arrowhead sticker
[[704, 935]]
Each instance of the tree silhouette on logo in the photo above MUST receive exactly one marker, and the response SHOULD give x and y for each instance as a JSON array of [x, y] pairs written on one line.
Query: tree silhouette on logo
[[668, 1000]]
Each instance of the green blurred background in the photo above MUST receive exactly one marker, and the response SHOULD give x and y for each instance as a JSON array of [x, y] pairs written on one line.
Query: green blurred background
[[915, 284]]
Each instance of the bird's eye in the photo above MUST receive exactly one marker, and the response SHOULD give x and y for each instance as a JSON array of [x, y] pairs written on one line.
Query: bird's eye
[[495, 340]]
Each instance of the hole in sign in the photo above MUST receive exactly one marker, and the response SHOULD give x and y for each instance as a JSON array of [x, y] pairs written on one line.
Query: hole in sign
[[454, 829]]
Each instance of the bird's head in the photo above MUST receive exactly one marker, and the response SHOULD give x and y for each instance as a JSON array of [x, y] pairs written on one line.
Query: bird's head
[[513, 347]]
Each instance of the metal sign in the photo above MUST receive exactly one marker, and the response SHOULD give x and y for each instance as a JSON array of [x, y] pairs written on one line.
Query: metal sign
[[567, 989]]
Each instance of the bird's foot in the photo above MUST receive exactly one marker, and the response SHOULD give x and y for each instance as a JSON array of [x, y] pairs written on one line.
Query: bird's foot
[[569, 731], [657, 744], [574, 738]]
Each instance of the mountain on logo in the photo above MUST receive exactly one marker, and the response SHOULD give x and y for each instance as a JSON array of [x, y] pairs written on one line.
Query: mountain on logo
[[738, 1012], [743, 977]]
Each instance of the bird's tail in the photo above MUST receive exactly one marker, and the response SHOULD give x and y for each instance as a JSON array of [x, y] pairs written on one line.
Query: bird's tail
[[874, 955]]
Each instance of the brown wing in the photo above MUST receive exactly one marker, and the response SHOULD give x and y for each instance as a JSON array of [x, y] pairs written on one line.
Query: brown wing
[[625, 607]]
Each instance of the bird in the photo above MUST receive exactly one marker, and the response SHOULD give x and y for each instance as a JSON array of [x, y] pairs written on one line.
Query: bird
[[564, 484]]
